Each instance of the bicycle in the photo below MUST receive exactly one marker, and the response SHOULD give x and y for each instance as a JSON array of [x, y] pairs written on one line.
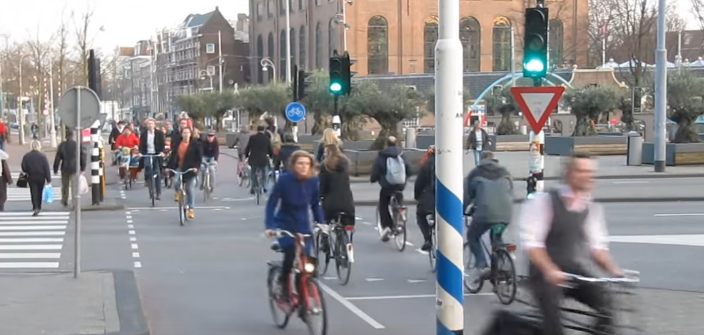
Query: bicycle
[[336, 244], [398, 216], [243, 174], [307, 299], [124, 171], [181, 194], [433, 252], [258, 185], [500, 254], [207, 187], [151, 176]]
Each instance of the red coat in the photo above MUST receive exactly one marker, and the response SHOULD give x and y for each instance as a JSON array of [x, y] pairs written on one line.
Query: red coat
[[130, 141]]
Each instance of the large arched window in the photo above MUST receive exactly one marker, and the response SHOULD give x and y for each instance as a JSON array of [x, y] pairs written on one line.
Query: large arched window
[[556, 38], [430, 39], [378, 45], [502, 44], [260, 55], [293, 47], [318, 46], [302, 60], [282, 55], [271, 53], [470, 36], [332, 38]]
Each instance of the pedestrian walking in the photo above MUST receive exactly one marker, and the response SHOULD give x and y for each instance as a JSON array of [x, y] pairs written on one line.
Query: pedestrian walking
[[4, 134], [477, 141], [36, 166], [5, 178], [35, 130], [65, 161], [329, 138]]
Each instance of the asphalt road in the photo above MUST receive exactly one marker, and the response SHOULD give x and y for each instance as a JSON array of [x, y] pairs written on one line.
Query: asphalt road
[[209, 276]]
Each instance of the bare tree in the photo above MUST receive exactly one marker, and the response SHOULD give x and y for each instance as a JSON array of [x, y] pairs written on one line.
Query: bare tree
[[40, 55], [62, 54], [84, 41]]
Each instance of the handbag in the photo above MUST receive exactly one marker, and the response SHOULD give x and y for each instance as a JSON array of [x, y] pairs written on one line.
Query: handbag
[[22, 180]]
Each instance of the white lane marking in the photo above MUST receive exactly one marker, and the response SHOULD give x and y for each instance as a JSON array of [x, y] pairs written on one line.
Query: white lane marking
[[678, 214], [34, 233], [414, 281], [135, 254], [30, 255], [32, 247], [3, 222], [631, 182], [129, 217], [414, 296], [33, 240], [134, 246], [367, 223], [131, 232], [137, 264], [354, 309], [409, 243], [128, 213], [53, 227], [695, 240], [165, 208], [30, 265], [133, 239], [422, 252], [130, 226], [130, 221], [329, 278], [373, 279], [236, 200], [30, 214], [39, 218]]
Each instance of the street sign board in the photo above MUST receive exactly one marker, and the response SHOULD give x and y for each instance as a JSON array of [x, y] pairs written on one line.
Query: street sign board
[[69, 107], [537, 103], [295, 112]]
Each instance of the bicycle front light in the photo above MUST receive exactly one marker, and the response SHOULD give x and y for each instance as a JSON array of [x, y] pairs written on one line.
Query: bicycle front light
[[309, 267]]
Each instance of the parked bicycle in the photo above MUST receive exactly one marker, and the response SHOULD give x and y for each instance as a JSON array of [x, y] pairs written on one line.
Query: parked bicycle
[[502, 274], [398, 216], [181, 195], [305, 295], [336, 244], [152, 177]]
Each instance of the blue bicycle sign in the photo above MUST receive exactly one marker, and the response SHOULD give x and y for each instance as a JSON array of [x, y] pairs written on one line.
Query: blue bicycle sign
[[295, 112]]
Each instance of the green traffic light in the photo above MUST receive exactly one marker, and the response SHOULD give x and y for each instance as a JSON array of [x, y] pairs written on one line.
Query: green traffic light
[[534, 65], [335, 87]]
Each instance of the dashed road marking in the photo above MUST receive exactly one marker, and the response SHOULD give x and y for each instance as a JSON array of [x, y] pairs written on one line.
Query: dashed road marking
[[136, 258]]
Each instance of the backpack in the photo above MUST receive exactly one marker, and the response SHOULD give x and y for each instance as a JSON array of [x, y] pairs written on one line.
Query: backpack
[[275, 139], [395, 171]]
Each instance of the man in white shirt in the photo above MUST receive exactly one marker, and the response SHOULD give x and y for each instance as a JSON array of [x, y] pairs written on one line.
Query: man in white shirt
[[152, 142], [564, 231]]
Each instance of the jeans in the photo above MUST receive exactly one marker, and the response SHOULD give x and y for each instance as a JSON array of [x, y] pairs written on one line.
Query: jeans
[[384, 203], [2, 145], [36, 188], [151, 170], [477, 157], [188, 185], [207, 164], [474, 236]]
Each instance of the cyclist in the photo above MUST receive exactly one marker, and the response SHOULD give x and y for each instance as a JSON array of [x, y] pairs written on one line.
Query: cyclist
[[563, 230], [391, 172], [188, 154], [152, 142], [424, 193], [242, 139], [329, 138], [281, 160], [294, 195], [274, 134], [258, 153], [490, 191], [211, 151], [127, 139], [335, 187]]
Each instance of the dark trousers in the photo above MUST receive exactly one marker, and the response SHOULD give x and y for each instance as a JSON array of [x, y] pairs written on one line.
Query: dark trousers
[[287, 267], [67, 183], [423, 225], [36, 188], [384, 201], [549, 296]]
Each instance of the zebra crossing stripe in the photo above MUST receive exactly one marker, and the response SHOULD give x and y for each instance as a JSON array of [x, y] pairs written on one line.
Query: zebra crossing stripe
[[32, 242]]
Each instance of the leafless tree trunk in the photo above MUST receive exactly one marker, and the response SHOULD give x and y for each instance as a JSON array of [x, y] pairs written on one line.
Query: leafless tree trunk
[[62, 55], [39, 53], [84, 41]]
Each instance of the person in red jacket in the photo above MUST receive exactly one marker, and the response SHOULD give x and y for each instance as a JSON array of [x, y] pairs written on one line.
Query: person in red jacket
[[127, 139]]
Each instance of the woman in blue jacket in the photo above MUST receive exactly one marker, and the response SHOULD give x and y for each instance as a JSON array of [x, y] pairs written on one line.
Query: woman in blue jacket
[[294, 194]]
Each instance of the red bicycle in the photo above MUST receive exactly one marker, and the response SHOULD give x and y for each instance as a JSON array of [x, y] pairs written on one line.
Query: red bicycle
[[306, 298]]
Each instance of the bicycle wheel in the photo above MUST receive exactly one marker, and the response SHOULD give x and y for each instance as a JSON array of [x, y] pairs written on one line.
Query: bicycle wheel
[[342, 260], [278, 309], [473, 285], [240, 177], [322, 252], [433, 252], [399, 231], [315, 312], [150, 187], [206, 187], [181, 210], [505, 282]]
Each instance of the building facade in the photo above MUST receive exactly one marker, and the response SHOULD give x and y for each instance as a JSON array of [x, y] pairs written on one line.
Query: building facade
[[399, 36]]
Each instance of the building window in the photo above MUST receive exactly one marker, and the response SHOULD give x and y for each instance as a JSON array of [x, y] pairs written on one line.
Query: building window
[[260, 10], [502, 44], [260, 55], [210, 48], [270, 8], [318, 2], [430, 38], [301, 4], [282, 54], [556, 39], [302, 47], [318, 46], [332, 38], [293, 46], [271, 54], [282, 7], [378, 45], [470, 36]]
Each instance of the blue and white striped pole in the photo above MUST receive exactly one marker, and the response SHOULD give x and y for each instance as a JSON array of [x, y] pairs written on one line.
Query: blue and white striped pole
[[449, 186]]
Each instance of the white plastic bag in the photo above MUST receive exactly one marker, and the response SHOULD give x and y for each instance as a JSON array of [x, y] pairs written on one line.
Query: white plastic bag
[[82, 184]]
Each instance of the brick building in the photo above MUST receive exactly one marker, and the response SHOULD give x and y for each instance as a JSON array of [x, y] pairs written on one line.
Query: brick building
[[398, 36]]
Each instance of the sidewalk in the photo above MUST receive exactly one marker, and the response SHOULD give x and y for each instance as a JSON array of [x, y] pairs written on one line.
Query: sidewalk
[[16, 151], [56, 303]]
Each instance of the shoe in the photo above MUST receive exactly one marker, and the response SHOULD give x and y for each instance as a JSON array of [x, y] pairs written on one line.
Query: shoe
[[35, 213], [201, 187], [158, 197], [426, 246], [385, 234], [191, 213], [177, 197]]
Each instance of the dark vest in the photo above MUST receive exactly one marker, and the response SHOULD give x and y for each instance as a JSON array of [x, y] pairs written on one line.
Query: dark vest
[[566, 242]]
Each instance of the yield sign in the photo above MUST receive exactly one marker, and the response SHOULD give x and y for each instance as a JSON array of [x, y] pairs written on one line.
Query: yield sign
[[537, 103]]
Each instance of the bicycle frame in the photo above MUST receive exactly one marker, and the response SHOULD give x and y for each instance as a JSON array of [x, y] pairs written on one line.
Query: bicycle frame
[[301, 271]]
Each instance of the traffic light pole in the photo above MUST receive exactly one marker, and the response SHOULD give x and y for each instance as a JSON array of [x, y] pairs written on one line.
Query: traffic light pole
[[336, 122], [536, 160]]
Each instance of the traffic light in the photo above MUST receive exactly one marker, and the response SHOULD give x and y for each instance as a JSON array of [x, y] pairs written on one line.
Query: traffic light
[[535, 46], [294, 83], [336, 74], [302, 83], [347, 74]]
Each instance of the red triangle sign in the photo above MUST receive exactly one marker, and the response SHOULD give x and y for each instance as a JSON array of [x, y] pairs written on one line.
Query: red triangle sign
[[537, 103]]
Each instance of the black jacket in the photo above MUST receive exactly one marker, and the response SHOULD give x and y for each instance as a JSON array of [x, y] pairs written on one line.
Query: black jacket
[[36, 166], [114, 133], [472, 140], [211, 149], [159, 142], [259, 150], [424, 188], [336, 191], [379, 168], [65, 158], [281, 160], [193, 159]]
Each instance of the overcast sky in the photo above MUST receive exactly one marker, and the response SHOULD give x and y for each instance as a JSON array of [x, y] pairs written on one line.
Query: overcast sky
[[124, 22]]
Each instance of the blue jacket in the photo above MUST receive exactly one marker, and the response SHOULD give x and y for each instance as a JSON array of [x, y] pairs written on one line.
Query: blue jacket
[[294, 198]]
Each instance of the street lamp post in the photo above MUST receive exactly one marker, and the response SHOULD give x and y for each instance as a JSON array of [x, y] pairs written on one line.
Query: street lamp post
[[266, 63], [52, 132], [288, 41], [20, 110], [219, 61], [660, 90]]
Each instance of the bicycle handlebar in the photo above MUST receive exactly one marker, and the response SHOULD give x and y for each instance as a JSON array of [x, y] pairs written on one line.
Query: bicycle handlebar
[[181, 173], [631, 277], [281, 232]]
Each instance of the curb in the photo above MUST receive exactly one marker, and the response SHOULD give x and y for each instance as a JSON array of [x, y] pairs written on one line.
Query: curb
[[115, 204], [412, 202]]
